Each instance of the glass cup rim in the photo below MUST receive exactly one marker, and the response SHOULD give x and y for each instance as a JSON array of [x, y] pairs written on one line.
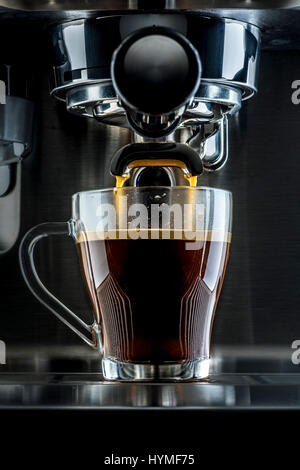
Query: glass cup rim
[[114, 189]]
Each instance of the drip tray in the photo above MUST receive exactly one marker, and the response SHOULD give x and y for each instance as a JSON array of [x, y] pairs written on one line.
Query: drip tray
[[86, 391], [240, 380]]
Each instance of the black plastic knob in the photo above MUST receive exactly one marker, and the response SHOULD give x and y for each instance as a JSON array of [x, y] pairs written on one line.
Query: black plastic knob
[[155, 70]]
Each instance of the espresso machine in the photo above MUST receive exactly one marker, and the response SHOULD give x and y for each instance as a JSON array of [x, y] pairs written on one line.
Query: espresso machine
[[77, 107]]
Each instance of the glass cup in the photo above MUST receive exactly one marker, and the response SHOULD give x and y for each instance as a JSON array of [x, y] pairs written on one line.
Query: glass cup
[[153, 261]]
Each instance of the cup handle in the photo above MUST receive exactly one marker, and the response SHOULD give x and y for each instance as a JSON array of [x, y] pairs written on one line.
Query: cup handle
[[26, 257]]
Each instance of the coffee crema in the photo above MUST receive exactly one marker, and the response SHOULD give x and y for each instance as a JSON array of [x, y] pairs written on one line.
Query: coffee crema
[[154, 299], [160, 234]]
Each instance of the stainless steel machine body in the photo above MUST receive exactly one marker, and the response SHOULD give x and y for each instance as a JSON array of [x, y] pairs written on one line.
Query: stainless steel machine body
[[257, 319]]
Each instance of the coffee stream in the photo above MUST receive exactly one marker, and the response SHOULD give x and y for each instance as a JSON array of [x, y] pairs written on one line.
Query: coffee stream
[[120, 180]]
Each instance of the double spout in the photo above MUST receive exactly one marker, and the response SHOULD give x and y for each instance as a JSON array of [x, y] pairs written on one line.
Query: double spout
[[156, 72], [155, 160]]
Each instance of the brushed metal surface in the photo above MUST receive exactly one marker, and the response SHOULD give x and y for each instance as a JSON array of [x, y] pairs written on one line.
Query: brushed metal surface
[[241, 378], [221, 393], [279, 25], [259, 304], [87, 392], [133, 4]]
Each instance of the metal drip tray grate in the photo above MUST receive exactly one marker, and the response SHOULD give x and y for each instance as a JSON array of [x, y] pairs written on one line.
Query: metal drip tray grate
[[88, 391], [241, 379]]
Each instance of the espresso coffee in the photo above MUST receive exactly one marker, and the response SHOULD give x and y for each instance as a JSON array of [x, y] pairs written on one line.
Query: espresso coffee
[[154, 299]]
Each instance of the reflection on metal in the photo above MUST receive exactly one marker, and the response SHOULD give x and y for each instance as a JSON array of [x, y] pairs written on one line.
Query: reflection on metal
[[16, 125], [241, 378], [81, 75], [16, 119], [85, 391], [50, 360], [210, 140], [10, 209], [99, 100], [76, 64], [134, 4], [250, 309], [278, 20]]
